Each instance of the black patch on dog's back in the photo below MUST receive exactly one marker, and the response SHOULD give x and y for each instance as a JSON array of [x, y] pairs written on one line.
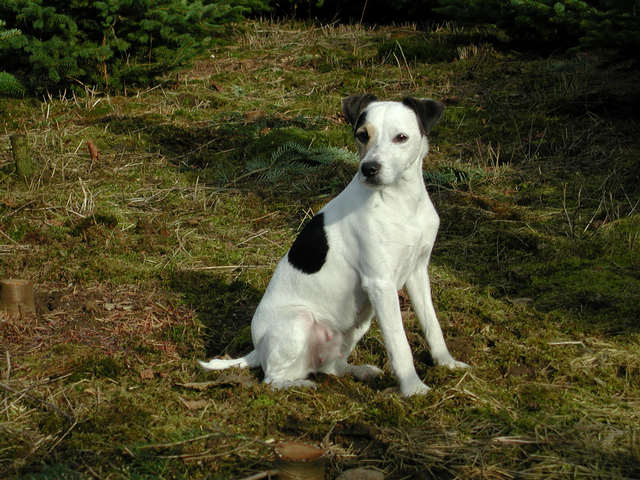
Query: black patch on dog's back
[[309, 250]]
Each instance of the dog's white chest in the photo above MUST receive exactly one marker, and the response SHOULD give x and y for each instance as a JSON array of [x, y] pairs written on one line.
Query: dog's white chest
[[380, 237]]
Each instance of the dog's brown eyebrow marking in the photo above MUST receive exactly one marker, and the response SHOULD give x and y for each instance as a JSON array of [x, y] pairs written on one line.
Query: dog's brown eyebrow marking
[[309, 250]]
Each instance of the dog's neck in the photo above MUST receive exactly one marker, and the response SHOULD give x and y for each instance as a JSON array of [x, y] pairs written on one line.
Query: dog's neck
[[405, 196], [410, 188]]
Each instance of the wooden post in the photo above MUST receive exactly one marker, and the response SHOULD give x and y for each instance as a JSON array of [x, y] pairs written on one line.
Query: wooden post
[[16, 297], [20, 149]]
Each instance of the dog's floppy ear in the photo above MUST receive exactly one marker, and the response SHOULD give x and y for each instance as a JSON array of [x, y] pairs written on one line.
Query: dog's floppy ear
[[428, 111], [353, 105]]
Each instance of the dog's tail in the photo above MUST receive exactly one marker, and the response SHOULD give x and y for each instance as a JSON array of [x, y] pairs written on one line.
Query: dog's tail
[[249, 360]]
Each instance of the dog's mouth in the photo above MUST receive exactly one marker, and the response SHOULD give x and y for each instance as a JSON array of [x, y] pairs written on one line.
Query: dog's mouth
[[375, 181], [372, 181]]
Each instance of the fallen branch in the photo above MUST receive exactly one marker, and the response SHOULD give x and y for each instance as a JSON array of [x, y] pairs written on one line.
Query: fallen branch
[[224, 267], [259, 475], [570, 342], [48, 405], [163, 446]]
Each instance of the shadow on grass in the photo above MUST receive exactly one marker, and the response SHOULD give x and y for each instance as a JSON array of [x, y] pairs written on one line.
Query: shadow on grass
[[591, 282], [225, 309], [246, 151]]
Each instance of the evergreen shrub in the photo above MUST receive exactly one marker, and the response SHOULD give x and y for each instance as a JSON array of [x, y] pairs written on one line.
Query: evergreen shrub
[[9, 85], [110, 43], [545, 24]]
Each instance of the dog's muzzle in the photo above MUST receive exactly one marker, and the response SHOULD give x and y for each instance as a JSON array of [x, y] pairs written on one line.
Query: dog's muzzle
[[370, 170]]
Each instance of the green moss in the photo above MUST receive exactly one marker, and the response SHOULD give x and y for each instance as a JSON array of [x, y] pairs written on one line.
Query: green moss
[[96, 366], [107, 221], [56, 472], [263, 401]]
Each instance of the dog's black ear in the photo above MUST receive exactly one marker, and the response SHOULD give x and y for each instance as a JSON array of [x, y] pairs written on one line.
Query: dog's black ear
[[352, 106], [428, 111]]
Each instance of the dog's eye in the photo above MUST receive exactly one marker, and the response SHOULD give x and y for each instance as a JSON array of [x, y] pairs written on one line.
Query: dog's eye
[[362, 136], [400, 138]]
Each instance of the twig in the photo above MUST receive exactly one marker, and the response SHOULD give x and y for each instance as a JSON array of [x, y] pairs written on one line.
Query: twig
[[13, 212], [10, 248], [91, 470], [201, 147], [8, 374], [264, 216], [602, 200], [514, 440], [258, 476], [225, 267], [363, 10], [245, 175], [48, 405], [406, 64], [572, 342], [64, 435], [7, 236], [259, 234], [163, 446], [564, 208]]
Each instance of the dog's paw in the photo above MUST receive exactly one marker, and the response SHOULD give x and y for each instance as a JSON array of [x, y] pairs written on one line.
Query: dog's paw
[[451, 363], [456, 364], [461, 365], [283, 384], [414, 388], [365, 372]]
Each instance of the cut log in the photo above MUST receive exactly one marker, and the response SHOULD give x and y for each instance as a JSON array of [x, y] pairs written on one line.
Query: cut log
[[16, 297], [25, 166]]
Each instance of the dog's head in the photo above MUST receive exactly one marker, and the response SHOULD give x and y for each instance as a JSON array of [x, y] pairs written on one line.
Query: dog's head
[[390, 136]]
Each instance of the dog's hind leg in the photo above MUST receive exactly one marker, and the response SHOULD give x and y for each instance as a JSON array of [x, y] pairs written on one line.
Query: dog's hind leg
[[292, 347], [361, 372], [341, 366], [249, 360], [282, 384]]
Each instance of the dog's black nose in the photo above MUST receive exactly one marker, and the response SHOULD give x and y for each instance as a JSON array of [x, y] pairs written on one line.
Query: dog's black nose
[[370, 169]]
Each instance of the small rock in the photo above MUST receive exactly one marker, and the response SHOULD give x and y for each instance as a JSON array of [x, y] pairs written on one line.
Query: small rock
[[361, 474]]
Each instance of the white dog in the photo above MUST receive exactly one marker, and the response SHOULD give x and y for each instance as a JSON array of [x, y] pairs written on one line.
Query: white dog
[[348, 263]]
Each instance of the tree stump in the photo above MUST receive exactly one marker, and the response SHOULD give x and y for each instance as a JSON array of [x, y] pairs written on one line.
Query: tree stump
[[299, 461], [25, 166], [16, 297]]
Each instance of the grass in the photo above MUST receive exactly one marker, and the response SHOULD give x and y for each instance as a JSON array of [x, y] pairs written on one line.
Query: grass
[[157, 252]]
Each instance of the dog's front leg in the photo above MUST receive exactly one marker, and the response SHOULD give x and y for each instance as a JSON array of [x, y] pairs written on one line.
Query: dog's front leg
[[419, 289], [384, 299]]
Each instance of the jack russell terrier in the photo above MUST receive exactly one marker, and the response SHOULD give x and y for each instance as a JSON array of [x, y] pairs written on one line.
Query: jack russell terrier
[[348, 263]]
